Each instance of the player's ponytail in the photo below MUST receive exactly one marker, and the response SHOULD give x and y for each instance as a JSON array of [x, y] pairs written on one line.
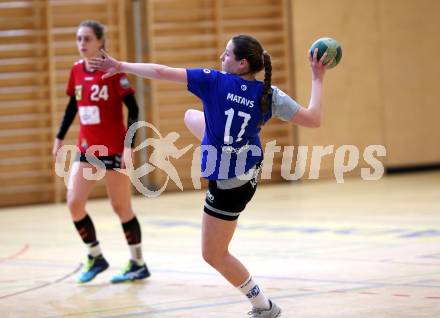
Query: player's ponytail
[[248, 48], [267, 91]]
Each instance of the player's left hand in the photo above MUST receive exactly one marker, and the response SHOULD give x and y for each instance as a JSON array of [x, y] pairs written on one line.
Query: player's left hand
[[107, 64], [318, 66]]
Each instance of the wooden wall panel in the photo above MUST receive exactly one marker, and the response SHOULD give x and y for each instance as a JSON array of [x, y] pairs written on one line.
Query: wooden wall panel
[[385, 89], [353, 93], [25, 118], [410, 78]]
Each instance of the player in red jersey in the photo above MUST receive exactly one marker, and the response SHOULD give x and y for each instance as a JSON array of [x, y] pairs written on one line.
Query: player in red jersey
[[102, 131]]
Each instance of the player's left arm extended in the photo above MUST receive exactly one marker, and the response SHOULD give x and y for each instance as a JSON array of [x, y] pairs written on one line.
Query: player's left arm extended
[[111, 66]]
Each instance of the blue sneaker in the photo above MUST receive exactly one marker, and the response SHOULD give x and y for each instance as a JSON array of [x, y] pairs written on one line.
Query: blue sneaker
[[131, 272], [93, 266]]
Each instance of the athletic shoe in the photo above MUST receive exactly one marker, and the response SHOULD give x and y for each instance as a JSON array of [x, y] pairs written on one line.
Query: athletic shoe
[[93, 266], [131, 272], [273, 312]]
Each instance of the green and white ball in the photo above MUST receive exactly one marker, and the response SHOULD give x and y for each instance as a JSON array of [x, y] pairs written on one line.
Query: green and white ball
[[333, 49]]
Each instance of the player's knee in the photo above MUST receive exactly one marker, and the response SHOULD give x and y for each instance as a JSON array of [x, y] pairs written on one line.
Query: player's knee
[[190, 117], [209, 257], [121, 209], [117, 207], [74, 203], [212, 257]]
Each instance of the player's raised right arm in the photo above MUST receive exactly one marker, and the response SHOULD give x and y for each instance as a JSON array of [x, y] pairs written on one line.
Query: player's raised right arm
[[111, 66], [311, 116], [155, 71]]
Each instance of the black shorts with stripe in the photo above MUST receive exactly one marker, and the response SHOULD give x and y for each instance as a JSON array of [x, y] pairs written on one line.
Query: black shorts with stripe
[[103, 162], [225, 199]]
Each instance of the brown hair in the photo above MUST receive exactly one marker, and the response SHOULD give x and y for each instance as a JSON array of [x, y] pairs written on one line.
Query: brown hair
[[248, 48], [97, 28]]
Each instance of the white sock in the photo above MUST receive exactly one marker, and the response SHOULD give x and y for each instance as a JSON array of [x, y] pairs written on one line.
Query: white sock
[[94, 249], [254, 294], [136, 253]]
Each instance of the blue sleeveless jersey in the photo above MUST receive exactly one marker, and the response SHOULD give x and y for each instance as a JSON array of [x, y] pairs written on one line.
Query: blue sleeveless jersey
[[231, 145]]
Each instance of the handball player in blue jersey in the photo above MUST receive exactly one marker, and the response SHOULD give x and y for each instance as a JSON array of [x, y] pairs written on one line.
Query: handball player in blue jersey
[[235, 108]]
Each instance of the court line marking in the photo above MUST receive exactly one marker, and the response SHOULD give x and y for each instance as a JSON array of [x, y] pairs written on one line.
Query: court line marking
[[199, 306], [309, 292], [316, 280], [23, 250], [225, 303], [140, 306], [313, 292], [298, 229], [43, 285], [286, 278]]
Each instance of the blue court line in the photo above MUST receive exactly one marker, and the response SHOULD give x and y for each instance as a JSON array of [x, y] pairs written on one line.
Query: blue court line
[[287, 278], [433, 256], [402, 233]]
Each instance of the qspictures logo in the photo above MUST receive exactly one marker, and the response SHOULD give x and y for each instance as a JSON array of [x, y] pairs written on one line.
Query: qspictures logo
[[345, 159]]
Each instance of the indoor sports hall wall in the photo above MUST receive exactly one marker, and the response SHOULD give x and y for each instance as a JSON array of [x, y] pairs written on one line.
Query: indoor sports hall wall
[[383, 92]]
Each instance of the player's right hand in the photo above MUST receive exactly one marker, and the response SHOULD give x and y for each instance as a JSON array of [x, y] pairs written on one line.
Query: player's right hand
[[106, 64]]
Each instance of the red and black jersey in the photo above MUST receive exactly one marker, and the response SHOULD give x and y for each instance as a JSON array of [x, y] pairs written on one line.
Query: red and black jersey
[[99, 104]]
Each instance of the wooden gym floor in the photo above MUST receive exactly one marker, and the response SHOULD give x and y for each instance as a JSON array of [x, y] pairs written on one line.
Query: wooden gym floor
[[319, 249]]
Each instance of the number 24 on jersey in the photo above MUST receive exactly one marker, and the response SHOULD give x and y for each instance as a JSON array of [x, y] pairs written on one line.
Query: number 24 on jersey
[[98, 93]]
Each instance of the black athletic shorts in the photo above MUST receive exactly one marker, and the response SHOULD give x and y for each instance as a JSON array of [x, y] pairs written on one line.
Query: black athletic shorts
[[225, 199], [105, 162]]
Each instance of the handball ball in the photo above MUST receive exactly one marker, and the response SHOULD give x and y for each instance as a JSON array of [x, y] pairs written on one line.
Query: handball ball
[[332, 47]]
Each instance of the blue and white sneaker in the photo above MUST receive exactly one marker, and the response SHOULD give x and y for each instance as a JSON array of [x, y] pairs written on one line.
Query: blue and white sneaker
[[92, 267], [131, 272]]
